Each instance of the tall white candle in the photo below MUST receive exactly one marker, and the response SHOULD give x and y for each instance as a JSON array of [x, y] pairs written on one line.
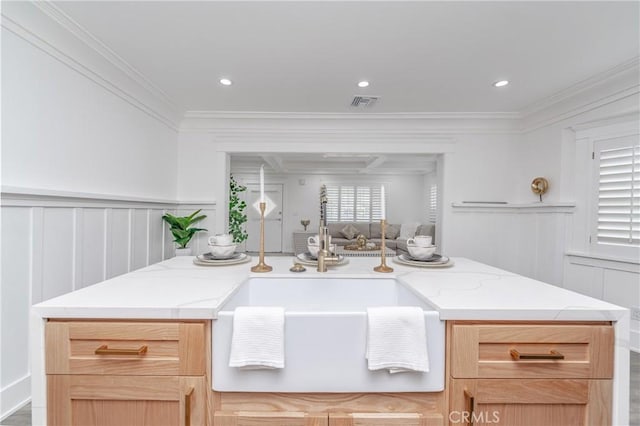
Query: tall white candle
[[383, 203], [262, 183]]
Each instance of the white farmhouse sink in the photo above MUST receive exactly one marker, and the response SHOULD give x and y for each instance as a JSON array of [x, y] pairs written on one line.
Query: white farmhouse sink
[[325, 337]]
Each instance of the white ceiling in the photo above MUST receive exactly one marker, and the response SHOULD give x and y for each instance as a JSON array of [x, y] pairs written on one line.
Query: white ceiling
[[308, 56]]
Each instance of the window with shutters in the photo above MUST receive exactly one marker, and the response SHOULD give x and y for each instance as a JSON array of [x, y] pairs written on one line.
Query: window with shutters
[[353, 203], [616, 218], [433, 202]]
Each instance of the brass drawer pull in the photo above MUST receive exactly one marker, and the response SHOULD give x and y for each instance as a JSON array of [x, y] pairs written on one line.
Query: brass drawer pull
[[104, 350], [551, 355], [187, 407]]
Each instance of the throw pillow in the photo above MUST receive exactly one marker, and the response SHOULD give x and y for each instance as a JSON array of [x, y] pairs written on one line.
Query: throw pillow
[[408, 230], [392, 232], [424, 229], [349, 231]]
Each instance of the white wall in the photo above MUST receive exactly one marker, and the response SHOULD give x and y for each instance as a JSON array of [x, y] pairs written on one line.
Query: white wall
[[62, 131], [70, 129], [555, 152], [404, 201]]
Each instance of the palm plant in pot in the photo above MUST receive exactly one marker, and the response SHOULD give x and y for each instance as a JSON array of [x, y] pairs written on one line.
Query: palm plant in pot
[[182, 229]]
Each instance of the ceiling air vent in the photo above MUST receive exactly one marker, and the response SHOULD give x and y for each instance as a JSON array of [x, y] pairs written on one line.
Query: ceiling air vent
[[364, 101]]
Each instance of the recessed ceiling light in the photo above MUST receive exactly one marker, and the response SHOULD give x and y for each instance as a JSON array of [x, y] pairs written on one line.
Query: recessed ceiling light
[[225, 82], [501, 83], [363, 83]]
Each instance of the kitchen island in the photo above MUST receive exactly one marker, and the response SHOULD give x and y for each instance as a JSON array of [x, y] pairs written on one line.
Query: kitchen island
[[474, 299]]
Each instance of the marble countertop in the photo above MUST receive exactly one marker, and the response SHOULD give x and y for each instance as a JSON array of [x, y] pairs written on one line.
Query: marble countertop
[[179, 289]]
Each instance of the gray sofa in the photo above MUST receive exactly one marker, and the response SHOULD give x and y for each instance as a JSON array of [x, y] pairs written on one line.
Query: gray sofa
[[371, 230]]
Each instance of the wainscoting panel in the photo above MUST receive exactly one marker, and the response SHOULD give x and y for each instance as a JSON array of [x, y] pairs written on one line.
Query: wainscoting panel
[[607, 279], [156, 237], [118, 237], [54, 244], [16, 300], [526, 239], [91, 252], [57, 262], [139, 239]]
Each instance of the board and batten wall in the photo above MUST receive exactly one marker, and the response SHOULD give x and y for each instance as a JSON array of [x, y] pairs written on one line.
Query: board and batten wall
[[87, 151], [55, 243]]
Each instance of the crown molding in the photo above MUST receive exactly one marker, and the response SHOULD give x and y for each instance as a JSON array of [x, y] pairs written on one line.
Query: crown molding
[[80, 51], [627, 123], [228, 115], [582, 86], [620, 84], [447, 123]]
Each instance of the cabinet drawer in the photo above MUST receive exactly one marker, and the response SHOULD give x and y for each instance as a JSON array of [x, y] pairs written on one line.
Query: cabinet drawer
[[99, 400], [125, 348], [545, 351]]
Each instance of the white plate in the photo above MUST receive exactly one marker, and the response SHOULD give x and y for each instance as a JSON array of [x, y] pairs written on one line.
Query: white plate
[[306, 259], [434, 258], [403, 259], [235, 260], [207, 257]]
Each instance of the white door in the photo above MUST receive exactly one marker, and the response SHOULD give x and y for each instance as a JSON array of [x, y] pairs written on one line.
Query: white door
[[272, 217]]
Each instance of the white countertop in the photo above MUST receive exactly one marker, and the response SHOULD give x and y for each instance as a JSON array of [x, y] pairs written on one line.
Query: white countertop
[[178, 289]]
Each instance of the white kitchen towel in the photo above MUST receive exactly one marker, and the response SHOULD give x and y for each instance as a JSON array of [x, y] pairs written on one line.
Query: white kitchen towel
[[397, 339], [258, 337]]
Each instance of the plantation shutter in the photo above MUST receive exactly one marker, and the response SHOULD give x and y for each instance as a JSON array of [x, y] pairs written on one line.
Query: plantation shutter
[[347, 202], [433, 203], [618, 166], [353, 203], [376, 203], [333, 203], [363, 204]]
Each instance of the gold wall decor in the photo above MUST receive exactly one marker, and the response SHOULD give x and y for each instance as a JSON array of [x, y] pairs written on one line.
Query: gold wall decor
[[539, 186]]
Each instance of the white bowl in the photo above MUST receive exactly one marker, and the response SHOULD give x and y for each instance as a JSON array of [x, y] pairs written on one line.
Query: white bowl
[[221, 251], [421, 253]]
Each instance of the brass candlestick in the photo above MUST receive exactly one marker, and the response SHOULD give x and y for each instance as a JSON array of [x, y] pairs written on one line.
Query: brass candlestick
[[261, 266], [383, 261]]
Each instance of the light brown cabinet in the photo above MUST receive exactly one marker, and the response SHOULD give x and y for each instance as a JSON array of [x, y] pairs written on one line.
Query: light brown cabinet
[[111, 373], [332, 409], [385, 419], [530, 374], [265, 418]]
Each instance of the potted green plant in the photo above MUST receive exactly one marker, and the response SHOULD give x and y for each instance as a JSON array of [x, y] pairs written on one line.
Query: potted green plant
[[182, 230], [237, 217]]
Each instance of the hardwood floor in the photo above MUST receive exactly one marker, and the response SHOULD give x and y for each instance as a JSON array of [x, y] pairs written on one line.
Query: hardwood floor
[[22, 417]]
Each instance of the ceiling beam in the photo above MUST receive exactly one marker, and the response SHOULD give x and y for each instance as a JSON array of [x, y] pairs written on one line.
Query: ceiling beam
[[374, 163], [274, 162]]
